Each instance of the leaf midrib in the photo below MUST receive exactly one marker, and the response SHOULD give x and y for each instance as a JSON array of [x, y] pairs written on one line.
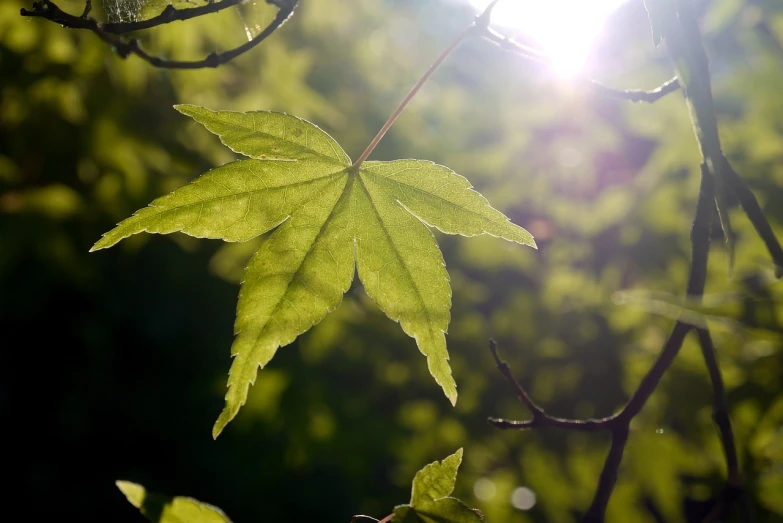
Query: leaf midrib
[[243, 193], [294, 275], [378, 176], [254, 131], [397, 253]]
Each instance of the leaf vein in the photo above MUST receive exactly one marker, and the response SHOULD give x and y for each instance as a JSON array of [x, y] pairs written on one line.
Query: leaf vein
[[399, 256]]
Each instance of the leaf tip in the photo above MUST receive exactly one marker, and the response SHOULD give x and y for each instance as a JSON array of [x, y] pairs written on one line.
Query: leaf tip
[[446, 382], [521, 236], [225, 417], [186, 109], [134, 492], [104, 243]]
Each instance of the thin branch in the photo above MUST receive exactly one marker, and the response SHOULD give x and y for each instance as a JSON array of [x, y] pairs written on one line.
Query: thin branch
[[512, 46], [48, 10], [535, 55], [697, 277], [608, 478], [505, 370], [637, 95], [756, 216], [540, 418], [619, 423], [720, 407], [720, 415]]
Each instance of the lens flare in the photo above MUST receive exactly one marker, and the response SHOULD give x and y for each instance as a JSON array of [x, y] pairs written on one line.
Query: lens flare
[[564, 29]]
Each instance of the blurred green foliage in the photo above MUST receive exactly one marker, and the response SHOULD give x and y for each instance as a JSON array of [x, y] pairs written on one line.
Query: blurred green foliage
[[114, 364]]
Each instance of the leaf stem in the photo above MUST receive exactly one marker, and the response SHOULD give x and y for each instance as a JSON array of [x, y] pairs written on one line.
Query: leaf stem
[[415, 89]]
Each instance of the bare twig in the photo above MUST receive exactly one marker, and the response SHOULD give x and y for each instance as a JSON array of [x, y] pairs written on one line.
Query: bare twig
[[50, 11], [535, 55], [540, 417], [720, 406], [720, 415], [608, 478], [756, 216], [512, 46], [619, 423], [637, 95]]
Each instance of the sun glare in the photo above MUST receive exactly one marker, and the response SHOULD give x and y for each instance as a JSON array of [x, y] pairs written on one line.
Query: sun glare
[[563, 29]]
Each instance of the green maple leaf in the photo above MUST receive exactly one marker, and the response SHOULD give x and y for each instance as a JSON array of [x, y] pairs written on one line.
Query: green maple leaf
[[166, 509], [430, 501], [330, 218]]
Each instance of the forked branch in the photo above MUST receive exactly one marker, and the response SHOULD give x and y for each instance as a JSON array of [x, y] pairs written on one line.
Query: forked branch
[[535, 55], [51, 12], [106, 31], [618, 424]]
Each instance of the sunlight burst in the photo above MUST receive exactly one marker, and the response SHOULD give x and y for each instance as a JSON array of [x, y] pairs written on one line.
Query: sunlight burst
[[564, 29]]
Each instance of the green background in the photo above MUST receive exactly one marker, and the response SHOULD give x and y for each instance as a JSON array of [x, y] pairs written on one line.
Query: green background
[[113, 364]]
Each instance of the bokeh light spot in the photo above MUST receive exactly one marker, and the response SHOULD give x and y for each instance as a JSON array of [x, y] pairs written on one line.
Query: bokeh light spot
[[484, 489], [523, 498]]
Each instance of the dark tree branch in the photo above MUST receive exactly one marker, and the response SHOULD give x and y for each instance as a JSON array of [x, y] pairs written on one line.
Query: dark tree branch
[[619, 423], [505, 370], [535, 55], [540, 418], [756, 216], [608, 478], [720, 415], [49, 11], [637, 95], [720, 406]]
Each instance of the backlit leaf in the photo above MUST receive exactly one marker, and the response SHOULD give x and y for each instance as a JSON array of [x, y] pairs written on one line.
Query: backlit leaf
[[429, 498], [436, 480], [328, 217], [167, 509]]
